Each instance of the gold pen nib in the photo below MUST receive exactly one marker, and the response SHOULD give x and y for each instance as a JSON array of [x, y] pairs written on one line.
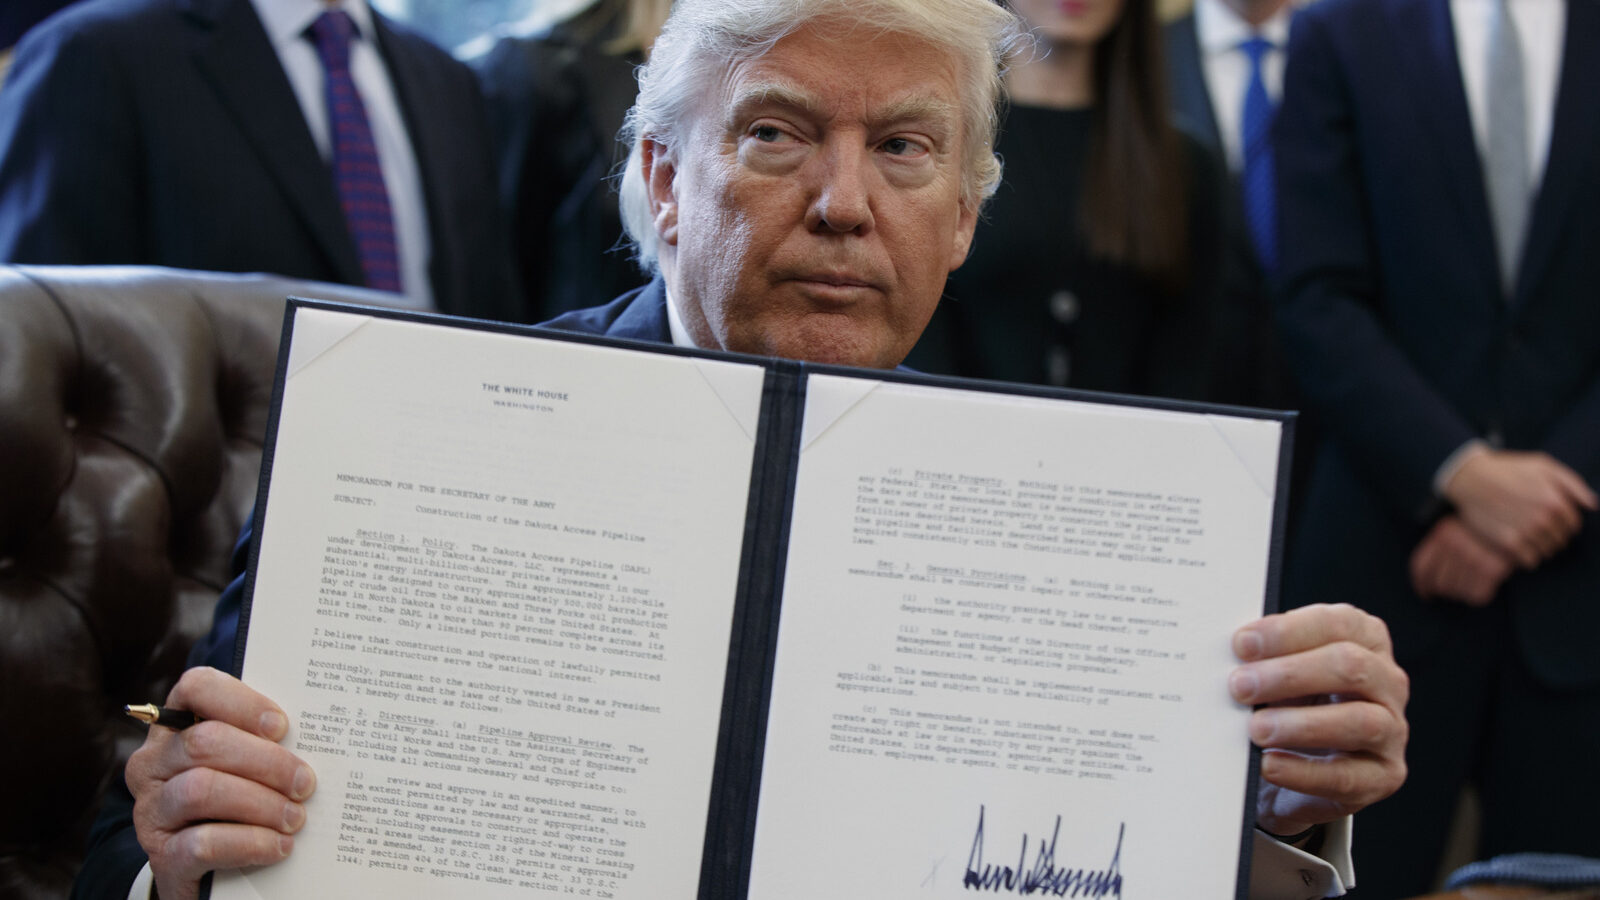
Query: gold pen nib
[[151, 714], [147, 713]]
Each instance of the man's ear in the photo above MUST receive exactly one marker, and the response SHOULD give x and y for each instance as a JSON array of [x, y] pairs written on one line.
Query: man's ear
[[660, 173], [966, 224]]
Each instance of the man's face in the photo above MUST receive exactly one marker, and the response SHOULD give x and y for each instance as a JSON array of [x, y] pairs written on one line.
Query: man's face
[[815, 208]]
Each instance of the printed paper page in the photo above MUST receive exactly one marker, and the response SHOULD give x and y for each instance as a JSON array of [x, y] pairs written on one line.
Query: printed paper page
[[494, 595], [1004, 647]]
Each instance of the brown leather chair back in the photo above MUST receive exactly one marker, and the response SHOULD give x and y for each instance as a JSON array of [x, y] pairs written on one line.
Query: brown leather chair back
[[133, 402]]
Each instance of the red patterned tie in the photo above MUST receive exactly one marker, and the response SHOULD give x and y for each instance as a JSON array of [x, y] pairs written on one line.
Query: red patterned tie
[[357, 173]]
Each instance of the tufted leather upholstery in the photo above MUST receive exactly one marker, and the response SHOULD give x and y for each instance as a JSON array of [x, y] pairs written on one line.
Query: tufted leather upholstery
[[132, 407]]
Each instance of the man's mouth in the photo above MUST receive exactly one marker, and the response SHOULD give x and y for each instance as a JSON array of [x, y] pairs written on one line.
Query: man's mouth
[[834, 286]]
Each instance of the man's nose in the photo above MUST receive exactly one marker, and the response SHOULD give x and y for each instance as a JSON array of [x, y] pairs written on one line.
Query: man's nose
[[842, 199]]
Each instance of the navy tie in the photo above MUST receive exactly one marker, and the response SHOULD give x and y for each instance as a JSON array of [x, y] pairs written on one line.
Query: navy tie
[[356, 170], [1260, 199]]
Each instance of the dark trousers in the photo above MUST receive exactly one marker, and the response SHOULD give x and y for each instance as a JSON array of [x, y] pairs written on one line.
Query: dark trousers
[[1477, 715]]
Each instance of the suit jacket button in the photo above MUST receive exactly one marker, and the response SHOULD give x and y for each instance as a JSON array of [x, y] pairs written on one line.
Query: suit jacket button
[[1064, 307], [1058, 366]]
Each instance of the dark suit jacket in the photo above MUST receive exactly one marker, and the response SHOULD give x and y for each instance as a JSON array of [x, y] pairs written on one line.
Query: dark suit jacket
[[639, 315], [115, 857], [1186, 83], [165, 132], [1249, 368], [1393, 316], [556, 103]]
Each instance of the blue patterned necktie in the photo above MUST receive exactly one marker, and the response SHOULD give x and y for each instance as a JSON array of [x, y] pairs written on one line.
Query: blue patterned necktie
[[1260, 198], [357, 173]]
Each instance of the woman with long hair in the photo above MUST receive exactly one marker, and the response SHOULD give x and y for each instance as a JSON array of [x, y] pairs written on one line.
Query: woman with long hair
[[1097, 262]]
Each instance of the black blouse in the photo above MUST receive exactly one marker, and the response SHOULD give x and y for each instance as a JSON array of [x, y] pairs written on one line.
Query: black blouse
[[1030, 305]]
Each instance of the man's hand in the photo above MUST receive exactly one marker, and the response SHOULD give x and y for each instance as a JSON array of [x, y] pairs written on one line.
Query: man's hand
[[1453, 563], [1526, 505], [218, 795], [1334, 730]]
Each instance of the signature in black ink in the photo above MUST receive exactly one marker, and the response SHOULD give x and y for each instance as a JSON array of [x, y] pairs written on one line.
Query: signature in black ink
[[1044, 877]]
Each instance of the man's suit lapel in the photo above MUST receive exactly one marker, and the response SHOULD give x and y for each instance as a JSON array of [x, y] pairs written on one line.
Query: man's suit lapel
[[1440, 100], [1190, 95], [645, 318], [418, 99], [1574, 135], [237, 59]]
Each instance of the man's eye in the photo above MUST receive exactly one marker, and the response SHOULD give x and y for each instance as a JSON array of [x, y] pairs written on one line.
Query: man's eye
[[767, 133], [900, 146]]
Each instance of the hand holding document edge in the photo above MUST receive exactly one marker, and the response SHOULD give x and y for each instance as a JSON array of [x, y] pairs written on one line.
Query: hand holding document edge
[[1326, 678], [222, 793]]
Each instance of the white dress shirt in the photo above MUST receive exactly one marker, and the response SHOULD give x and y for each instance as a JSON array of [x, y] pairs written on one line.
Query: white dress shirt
[[1220, 31], [1541, 27], [286, 22], [680, 334], [1541, 30]]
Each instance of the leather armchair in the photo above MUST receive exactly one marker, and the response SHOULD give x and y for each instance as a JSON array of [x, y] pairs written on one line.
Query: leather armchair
[[133, 402]]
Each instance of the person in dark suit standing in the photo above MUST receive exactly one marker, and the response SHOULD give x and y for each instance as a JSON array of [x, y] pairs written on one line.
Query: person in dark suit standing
[[1439, 167], [197, 134], [1225, 78], [557, 98]]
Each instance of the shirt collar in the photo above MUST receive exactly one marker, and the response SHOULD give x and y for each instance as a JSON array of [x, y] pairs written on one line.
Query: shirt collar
[[680, 334], [286, 21], [1220, 30]]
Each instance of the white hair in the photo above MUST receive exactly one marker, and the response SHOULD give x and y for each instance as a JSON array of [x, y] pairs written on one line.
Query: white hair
[[703, 37]]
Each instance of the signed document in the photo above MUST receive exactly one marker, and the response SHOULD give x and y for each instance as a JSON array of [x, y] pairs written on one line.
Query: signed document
[[560, 616], [1004, 646]]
